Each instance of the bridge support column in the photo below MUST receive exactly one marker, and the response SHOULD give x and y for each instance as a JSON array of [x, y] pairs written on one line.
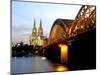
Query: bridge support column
[[64, 53]]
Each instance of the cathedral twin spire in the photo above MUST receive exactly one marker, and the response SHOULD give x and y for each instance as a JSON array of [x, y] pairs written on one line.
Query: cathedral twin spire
[[40, 30], [34, 31]]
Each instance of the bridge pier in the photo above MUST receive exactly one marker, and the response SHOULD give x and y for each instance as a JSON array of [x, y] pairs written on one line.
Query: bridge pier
[[63, 53], [57, 52]]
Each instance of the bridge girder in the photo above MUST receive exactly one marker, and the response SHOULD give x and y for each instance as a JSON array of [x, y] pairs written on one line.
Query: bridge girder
[[84, 21]]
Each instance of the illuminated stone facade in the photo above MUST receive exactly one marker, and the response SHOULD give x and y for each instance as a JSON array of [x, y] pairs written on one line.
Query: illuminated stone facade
[[37, 38]]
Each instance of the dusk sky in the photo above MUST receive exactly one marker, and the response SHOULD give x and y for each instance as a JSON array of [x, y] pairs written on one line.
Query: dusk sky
[[23, 14]]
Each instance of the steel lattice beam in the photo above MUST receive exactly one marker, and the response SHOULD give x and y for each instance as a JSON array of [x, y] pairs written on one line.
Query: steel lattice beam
[[85, 20]]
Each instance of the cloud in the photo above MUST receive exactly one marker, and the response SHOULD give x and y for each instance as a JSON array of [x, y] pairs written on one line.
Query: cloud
[[21, 28], [20, 33]]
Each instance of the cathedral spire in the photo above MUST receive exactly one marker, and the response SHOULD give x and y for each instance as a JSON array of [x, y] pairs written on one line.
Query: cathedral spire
[[40, 29], [34, 23], [40, 23], [34, 32]]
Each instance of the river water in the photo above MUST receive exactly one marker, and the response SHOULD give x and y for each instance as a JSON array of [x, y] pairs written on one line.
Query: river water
[[34, 64]]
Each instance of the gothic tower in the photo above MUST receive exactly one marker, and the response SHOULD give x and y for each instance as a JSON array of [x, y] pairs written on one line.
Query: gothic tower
[[34, 31], [40, 29], [33, 37], [37, 38]]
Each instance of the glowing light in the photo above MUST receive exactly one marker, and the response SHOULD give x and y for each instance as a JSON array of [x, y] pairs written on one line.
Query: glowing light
[[61, 68], [18, 44], [36, 52], [43, 58], [64, 52]]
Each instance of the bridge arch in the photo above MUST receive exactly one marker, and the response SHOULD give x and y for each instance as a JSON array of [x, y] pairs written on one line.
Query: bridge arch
[[58, 29]]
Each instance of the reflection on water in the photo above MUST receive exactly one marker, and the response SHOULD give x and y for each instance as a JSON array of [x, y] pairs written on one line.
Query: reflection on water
[[43, 58], [34, 64], [61, 68]]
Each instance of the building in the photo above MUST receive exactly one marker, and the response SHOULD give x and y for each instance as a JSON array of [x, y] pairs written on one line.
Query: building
[[37, 38]]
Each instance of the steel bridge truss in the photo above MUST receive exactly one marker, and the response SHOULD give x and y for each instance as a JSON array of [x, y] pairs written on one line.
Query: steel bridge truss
[[84, 21]]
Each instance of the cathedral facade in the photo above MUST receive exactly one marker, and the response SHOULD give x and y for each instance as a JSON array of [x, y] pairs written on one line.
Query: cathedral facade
[[37, 38]]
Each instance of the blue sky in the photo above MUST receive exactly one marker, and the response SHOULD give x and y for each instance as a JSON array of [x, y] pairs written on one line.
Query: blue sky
[[23, 14]]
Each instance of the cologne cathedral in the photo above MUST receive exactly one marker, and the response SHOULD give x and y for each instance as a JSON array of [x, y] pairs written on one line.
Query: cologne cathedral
[[37, 38]]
